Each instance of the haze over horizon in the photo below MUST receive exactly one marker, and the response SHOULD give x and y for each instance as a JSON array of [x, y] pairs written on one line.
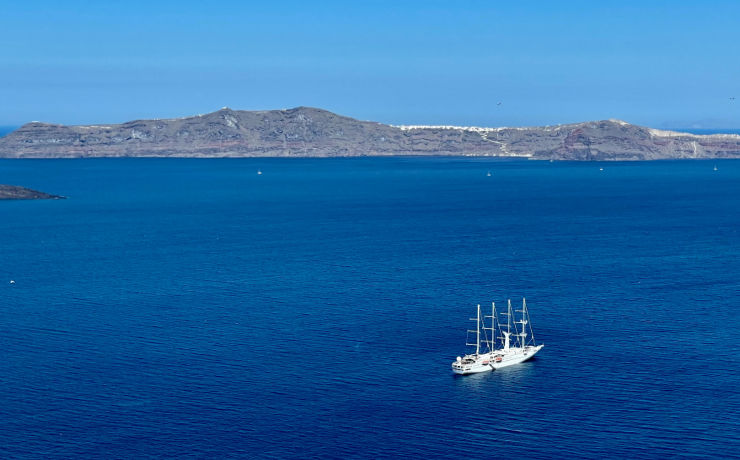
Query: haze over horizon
[[664, 65]]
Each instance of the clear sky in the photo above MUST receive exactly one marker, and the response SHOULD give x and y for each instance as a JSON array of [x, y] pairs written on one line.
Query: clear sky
[[658, 63]]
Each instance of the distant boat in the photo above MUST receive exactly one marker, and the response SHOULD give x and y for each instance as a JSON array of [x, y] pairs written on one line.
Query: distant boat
[[508, 353], [715, 167], [488, 174], [259, 172], [601, 169]]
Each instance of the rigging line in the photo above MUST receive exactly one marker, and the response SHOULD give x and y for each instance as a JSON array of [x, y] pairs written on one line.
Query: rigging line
[[500, 331], [531, 331], [485, 336]]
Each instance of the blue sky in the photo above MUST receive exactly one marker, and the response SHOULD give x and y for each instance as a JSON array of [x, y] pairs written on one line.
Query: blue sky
[[657, 63]]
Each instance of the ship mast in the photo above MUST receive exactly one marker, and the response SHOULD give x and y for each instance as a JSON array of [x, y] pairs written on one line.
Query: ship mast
[[507, 334], [477, 332], [523, 333], [493, 326], [490, 341], [508, 319]]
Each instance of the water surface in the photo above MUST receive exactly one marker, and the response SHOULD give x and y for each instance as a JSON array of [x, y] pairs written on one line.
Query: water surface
[[194, 308]]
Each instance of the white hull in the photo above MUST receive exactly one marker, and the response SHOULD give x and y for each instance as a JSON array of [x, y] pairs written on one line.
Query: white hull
[[514, 356], [473, 364], [487, 362]]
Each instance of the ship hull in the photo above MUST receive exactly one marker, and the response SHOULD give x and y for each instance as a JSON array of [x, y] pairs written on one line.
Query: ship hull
[[473, 364], [488, 362], [514, 356]]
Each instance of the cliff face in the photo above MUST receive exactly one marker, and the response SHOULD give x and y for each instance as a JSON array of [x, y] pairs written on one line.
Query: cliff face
[[309, 132]]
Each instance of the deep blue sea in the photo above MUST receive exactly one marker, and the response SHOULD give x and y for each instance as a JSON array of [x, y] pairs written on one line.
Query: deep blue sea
[[192, 308], [4, 130]]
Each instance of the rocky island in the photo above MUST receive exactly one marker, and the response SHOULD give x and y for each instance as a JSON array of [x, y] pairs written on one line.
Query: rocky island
[[13, 192], [311, 132]]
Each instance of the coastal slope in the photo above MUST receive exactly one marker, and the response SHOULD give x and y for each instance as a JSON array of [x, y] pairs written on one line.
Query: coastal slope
[[311, 132]]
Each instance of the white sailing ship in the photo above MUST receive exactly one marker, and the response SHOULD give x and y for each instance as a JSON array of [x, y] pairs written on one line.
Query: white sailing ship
[[515, 342]]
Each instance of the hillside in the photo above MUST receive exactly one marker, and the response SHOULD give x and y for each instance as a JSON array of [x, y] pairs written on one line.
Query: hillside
[[310, 132]]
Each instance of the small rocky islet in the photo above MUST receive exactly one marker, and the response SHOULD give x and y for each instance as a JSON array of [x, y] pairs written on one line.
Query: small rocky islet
[[14, 192]]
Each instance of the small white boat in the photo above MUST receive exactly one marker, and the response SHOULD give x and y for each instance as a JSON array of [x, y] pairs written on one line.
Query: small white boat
[[489, 174], [515, 344], [259, 172], [715, 168]]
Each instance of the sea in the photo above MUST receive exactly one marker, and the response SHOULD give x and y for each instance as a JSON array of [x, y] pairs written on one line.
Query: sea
[[5, 130], [193, 308]]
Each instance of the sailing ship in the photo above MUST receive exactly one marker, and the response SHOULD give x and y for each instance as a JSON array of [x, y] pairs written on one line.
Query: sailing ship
[[514, 343]]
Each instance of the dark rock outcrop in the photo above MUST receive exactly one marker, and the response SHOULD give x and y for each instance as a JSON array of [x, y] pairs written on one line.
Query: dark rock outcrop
[[309, 132], [13, 192]]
